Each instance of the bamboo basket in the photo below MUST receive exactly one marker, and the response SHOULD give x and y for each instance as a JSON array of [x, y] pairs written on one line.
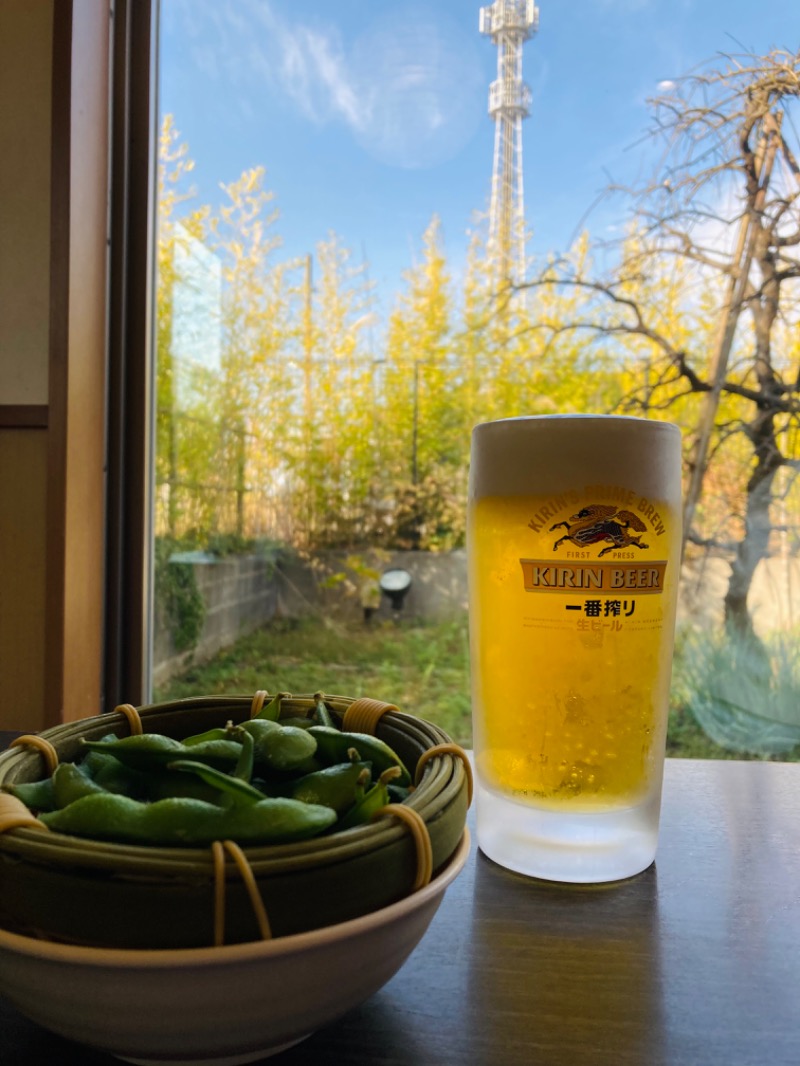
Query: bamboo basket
[[74, 890]]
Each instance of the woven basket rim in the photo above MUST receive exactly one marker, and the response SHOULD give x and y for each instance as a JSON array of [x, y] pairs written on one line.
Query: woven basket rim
[[442, 779]]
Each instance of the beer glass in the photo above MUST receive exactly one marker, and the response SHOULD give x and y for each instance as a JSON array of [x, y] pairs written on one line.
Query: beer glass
[[573, 543]]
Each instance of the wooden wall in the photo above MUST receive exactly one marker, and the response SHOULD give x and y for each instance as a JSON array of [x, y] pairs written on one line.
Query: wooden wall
[[26, 46], [54, 101]]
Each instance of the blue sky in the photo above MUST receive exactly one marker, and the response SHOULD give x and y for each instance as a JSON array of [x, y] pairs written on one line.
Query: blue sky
[[370, 116]]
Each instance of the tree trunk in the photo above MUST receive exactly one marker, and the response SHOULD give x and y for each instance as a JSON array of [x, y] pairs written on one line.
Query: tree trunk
[[754, 545]]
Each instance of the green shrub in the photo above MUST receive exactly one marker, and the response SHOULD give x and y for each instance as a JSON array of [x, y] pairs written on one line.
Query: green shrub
[[177, 596], [743, 693]]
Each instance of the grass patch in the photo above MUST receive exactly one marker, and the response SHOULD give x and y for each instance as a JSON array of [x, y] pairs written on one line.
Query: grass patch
[[423, 668]]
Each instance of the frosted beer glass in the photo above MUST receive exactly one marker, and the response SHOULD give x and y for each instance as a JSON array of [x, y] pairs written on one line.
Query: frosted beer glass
[[573, 542]]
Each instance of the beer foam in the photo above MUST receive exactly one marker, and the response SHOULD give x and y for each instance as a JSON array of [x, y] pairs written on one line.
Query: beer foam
[[545, 455]]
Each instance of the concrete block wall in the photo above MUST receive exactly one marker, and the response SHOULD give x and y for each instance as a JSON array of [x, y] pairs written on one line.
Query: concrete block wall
[[240, 593]]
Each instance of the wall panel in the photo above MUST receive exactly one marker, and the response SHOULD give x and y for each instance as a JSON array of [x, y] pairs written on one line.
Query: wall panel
[[23, 685]]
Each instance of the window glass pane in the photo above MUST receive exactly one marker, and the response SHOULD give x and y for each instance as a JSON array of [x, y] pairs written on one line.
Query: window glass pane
[[382, 223]]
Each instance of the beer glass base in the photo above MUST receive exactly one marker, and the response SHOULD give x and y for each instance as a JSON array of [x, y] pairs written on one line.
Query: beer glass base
[[580, 847]]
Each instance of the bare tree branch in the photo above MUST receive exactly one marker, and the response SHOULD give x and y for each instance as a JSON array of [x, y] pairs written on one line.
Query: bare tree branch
[[720, 209]]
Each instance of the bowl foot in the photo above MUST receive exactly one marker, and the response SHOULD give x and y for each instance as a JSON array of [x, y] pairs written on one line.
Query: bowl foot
[[223, 1060]]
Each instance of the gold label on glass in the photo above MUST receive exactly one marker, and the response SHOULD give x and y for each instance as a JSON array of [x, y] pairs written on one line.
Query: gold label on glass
[[543, 576], [603, 544], [571, 598]]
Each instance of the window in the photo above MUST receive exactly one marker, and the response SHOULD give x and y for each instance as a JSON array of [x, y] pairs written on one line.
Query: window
[[349, 277]]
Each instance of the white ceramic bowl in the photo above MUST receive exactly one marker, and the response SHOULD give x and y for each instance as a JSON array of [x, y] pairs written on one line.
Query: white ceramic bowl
[[215, 1006]]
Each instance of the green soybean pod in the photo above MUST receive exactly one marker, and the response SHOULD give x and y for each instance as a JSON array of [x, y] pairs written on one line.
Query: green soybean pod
[[232, 788], [70, 782], [334, 745], [280, 747], [180, 821], [369, 804], [218, 733], [271, 711], [148, 750], [337, 787], [322, 716], [36, 795]]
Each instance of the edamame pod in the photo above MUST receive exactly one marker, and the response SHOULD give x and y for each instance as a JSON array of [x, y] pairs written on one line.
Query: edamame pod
[[36, 795], [232, 788], [337, 787], [219, 733], [280, 747], [189, 822], [322, 716], [70, 782], [371, 802], [333, 747], [94, 760], [272, 710], [148, 750]]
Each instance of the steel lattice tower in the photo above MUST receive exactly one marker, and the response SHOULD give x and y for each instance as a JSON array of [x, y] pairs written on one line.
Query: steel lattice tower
[[510, 23]]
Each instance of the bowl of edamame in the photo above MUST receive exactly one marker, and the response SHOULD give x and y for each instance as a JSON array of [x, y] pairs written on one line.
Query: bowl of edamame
[[224, 820]]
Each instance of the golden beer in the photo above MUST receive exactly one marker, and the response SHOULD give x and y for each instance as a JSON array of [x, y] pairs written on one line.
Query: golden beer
[[574, 550]]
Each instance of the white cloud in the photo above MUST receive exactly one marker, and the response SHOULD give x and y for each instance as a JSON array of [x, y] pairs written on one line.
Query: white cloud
[[249, 45], [408, 88], [328, 86], [422, 75]]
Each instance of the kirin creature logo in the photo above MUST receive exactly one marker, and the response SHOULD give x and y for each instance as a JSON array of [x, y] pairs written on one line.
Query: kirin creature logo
[[602, 523]]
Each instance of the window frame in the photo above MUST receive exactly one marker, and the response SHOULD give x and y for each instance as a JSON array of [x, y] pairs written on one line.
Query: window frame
[[129, 430]]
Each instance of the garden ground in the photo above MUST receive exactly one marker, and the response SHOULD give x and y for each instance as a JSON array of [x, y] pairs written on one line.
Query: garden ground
[[423, 668]]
